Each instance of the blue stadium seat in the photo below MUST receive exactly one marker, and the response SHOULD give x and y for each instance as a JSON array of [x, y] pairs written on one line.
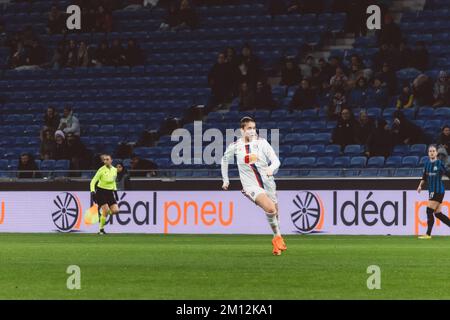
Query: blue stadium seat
[[353, 150], [425, 113], [316, 150], [410, 161], [291, 162], [400, 150], [299, 150], [358, 162], [333, 150], [375, 162], [62, 166], [371, 172], [403, 172], [324, 162], [418, 150], [341, 162], [393, 161], [307, 162], [423, 160]]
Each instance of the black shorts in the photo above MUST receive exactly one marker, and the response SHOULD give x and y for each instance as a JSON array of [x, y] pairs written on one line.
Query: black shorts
[[103, 196], [439, 197]]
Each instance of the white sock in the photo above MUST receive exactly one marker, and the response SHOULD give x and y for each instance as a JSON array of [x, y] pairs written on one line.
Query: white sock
[[273, 222]]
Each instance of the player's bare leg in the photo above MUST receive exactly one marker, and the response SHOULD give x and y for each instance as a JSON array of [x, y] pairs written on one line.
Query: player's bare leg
[[114, 209], [282, 244], [270, 209]]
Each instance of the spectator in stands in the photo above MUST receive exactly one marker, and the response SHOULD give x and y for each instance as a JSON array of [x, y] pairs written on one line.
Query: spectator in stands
[[51, 119], [187, 17], [384, 55], [36, 54], [246, 97], [406, 98], [27, 163], [170, 21], [18, 55], [89, 18], [346, 129], [48, 145], [134, 5], [304, 97], [104, 21], [102, 55], [77, 152], [233, 63], [423, 90], [406, 132], [123, 177], [358, 95], [444, 138], [442, 90], [337, 104], [248, 67], [133, 54], [69, 122], [390, 32], [339, 80], [220, 80], [117, 54], [59, 55], [380, 142], [326, 70], [142, 167], [56, 21], [71, 54], [388, 79], [365, 127], [263, 96], [291, 75], [324, 93], [377, 95], [420, 57], [309, 68], [83, 55], [403, 57], [356, 17], [61, 152]]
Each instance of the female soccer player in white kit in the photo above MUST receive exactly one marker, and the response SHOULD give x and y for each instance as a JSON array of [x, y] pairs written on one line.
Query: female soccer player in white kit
[[253, 155]]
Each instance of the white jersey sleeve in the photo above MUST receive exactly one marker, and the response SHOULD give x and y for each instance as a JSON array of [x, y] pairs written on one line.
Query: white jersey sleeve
[[226, 159], [272, 156]]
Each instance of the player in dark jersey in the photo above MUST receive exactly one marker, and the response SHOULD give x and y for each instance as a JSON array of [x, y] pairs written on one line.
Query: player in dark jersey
[[433, 171]]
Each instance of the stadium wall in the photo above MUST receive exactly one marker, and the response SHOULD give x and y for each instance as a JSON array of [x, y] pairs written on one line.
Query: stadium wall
[[369, 207]]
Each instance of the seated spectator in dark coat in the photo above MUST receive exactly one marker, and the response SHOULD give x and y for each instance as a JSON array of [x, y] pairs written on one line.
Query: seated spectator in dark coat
[[406, 132], [48, 145], [117, 54], [336, 105], [51, 119], [381, 142], [423, 90], [365, 128], [249, 67], [388, 79], [326, 70], [187, 16], [420, 57], [358, 94], [384, 55], [403, 57], [56, 21], [61, 151], [102, 55], [406, 99], [26, 163], [390, 32], [304, 97], [263, 96], [71, 54], [246, 98], [444, 138], [346, 130], [220, 80], [291, 74], [442, 90], [142, 167], [77, 152], [103, 20], [339, 80], [133, 54], [123, 177], [36, 55], [377, 96]]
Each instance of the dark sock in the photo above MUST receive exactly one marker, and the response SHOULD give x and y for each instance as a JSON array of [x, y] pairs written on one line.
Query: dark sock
[[443, 218], [430, 220]]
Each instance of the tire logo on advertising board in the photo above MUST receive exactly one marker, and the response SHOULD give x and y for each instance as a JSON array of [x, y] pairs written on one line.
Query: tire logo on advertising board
[[308, 214], [67, 214]]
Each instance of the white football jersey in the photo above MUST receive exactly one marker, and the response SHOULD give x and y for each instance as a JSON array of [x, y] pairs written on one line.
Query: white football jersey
[[252, 159]]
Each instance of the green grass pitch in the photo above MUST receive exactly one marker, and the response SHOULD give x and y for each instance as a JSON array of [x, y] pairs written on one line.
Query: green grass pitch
[[33, 266]]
